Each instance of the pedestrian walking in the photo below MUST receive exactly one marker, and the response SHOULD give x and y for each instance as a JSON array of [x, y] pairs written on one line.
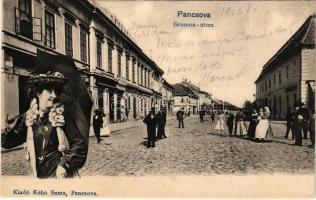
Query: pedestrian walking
[[253, 124], [213, 117], [230, 124], [97, 124], [220, 121], [55, 146], [201, 113], [180, 116], [289, 121], [298, 123], [151, 122]]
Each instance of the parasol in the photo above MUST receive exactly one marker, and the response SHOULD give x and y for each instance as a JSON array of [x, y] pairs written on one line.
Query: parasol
[[76, 96]]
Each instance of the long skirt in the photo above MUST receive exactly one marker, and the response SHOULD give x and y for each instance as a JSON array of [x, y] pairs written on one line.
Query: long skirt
[[240, 128], [219, 125], [262, 129]]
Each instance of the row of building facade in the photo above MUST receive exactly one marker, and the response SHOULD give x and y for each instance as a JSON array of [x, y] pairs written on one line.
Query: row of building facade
[[289, 76], [122, 80], [119, 75], [192, 99]]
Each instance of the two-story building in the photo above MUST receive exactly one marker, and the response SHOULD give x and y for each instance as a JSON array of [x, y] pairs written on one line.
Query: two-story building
[[185, 98], [117, 72], [289, 76], [205, 101]]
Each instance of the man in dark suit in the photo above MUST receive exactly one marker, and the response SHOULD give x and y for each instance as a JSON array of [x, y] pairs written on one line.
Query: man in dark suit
[[230, 124], [151, 122], [97, 124], [201, 113], [160, 124], [289, 119], [213, 117], [180, 116], [297, 126]]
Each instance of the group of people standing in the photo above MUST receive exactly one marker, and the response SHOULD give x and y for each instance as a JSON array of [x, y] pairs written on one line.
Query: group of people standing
[[300, 121], [155, 120]]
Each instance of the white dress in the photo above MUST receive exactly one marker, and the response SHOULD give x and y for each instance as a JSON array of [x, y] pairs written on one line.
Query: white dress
[[262, 128], [105, 130], [220, 122]]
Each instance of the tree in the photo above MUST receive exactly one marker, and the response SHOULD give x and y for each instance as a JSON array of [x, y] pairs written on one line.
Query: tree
[[248, 105]]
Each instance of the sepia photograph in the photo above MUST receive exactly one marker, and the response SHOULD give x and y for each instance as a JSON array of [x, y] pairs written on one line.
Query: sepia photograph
[[152, 99]]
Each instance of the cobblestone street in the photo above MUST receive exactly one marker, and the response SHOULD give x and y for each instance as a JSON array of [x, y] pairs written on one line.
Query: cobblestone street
[[197, 149]]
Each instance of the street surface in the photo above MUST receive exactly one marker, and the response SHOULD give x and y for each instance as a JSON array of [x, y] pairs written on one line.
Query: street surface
[[197, 149]]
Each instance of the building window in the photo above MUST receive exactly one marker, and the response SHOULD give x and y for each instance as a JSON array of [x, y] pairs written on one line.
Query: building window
[[83, 47], [265, 86], [119, 63], [145, 77], [274, 79], [127, 67], [138, 69], [280, 77], [25, 21], [181, 100], [148, 80], [133, 71], [99, 54], [110, 58], [287, 71], [68, 39], [141, 75], [269, 83], [294, 99], [49, 29]]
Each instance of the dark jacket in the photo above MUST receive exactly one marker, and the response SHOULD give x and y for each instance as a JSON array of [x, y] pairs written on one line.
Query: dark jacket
[[97, 121], [151, 121], [230, 121], [73, 158], [180, 114], [289, 117]]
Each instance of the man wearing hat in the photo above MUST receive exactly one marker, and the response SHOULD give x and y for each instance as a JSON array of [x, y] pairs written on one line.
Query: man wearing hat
[[298, 122], [97, 124], [307, 117], [161, 122], [55, 147], [151, 122]]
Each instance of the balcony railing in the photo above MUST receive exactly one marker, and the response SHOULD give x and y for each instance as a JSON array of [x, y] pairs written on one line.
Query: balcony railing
[[28, 26]]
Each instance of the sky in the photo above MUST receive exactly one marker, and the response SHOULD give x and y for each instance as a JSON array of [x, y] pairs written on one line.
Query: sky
[[224, 59]]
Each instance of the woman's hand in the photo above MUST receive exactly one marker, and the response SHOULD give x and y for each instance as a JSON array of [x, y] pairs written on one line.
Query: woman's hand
[[60, 172], [56, 116]]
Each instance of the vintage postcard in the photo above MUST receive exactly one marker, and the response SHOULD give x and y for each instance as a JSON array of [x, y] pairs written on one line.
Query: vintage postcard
[[177, 99]]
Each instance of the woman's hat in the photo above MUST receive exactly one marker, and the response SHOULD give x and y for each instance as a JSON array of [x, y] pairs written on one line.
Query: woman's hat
[[50, 78]]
